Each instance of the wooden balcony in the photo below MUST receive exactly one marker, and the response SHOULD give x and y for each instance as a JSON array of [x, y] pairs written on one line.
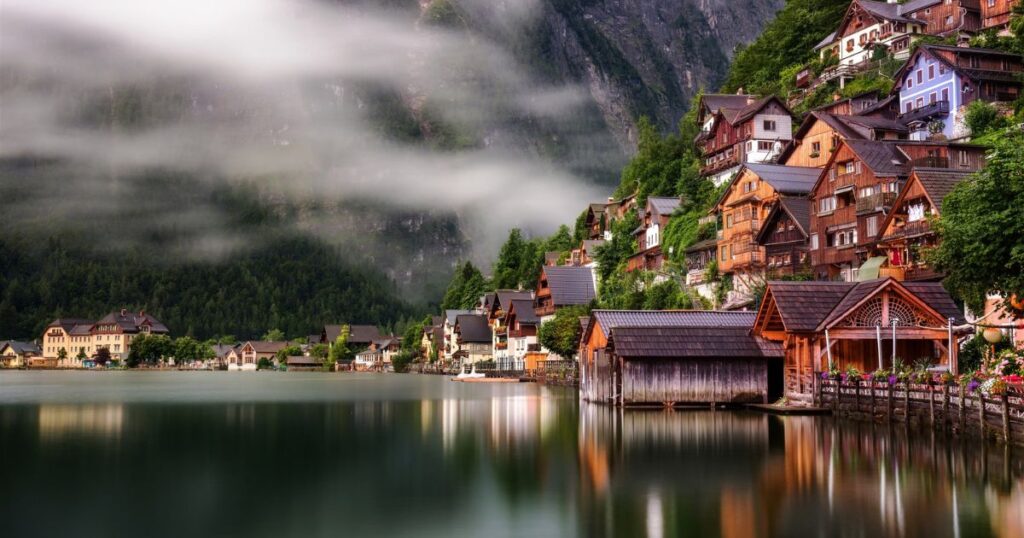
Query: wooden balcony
[[926, 112], [720, 165], [908, 230], [930, 162], [876, 202]]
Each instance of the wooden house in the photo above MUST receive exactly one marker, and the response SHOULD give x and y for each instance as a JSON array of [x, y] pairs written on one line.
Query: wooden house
[[820, 133], [938, 82], [906, 231], [755, 133], [745, 205], [698, 257], [250, 353], [449, 345], [868, 25], [649, 255], [857, 190], [473, 339], [785, 237], [586, 253], [946, 17], [563, 286], [995, 14], [851, 106], [851, 324], [676, 357], [299, 363], [596, 222], [523, 327], [496, 317]]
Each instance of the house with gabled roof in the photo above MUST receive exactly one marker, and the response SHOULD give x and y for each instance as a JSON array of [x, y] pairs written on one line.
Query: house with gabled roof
[[867, 26], [996, 14], [820, 133], [523, 329], [906, 231], [675, 357], [359, 336], [496, 318], [742, 210], [15, 354], [80, 337], [754, 133], [785, 237], [248, 354], [938, 82], [857, 324], [473, 339], [857, 189], [449, 345], [559, 287], [649, 255]]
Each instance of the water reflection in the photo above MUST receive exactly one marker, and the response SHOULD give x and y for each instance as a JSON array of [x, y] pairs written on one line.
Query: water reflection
[[703, 473], [417, 456]]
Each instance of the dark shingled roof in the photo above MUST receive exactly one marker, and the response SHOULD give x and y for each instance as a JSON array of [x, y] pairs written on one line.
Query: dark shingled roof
[[301, 360], [610, 319], [473, 328], [663, 206], [938, 182], [707, 244], [691, 342], [68, 323], [524, 311], [718, 101], [131, 321], [570, 285], [787, 179], [358, 334], [451, 315], [812, 306], [884, 159], [803, 305], [885, 10], [21, 348], [938, 298], [260, 346], [505, 297], [797, 207], [590, 245]]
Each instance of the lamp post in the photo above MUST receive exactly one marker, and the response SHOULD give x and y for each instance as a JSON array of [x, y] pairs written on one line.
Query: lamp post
[[993, 336]]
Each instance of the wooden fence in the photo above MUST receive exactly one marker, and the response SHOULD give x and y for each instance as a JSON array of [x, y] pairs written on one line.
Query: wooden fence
[[945, 407], [562, 373]]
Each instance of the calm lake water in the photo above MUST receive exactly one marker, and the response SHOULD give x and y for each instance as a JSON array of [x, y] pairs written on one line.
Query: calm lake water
[[147, 454]]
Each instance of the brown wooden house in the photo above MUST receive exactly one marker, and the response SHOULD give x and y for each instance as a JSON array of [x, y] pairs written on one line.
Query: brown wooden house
[[755, 133], [820, 133], [745, 205], [649, 256], [676, 357], [562, 286], [851, 324], [906, 231], [946, 17], [995, 14], [785, 237]]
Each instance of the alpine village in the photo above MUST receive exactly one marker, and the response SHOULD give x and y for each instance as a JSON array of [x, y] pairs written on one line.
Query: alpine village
[[806, 243]]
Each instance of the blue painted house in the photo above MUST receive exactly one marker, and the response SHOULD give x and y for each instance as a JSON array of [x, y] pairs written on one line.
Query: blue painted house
[[938, 81]]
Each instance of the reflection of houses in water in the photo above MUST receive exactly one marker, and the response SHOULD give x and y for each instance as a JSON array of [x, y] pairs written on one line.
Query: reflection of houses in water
[[502, 422], [730, 474], [57, 421]]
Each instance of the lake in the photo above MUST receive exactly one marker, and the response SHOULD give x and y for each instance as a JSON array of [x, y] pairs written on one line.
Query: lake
[[151, 454]]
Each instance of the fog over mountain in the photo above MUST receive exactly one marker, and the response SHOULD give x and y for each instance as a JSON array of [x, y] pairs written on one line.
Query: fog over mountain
[[354, 121]]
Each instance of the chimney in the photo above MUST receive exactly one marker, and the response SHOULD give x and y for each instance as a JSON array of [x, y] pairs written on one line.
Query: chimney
[[611, 199], [124, 312], [142, 313]]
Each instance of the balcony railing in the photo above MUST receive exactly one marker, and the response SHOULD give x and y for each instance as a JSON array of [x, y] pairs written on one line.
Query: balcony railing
[[875, 202], [938, 108], [931, 162], [910, 229]]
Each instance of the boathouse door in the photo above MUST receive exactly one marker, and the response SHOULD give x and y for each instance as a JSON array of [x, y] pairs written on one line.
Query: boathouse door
[[776, 383]]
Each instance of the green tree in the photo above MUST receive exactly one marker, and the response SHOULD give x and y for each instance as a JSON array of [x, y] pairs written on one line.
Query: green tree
[[290, 351], [561, 334], [102, 356], [149, 349], [62, 354], [187, 349], [401, 361], [319, 351], [273, 335], [340, 351], [81, 355], [412, 337], [982, 228], [467, 285], [982, 118]]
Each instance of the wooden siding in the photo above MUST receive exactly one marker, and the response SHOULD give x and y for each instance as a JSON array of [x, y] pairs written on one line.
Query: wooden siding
[[656, 381], [804, 153], [742, 215], [997, 14], [942, 18]]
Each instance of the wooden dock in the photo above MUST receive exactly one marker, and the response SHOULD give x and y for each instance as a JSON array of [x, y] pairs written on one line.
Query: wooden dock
[[790, 409]]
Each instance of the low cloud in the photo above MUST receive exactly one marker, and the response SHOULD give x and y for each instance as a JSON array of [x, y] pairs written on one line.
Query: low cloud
[[273, 93]]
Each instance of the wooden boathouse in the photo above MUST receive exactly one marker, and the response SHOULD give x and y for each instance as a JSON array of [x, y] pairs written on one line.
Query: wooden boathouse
[[857, 324], [668, 358]]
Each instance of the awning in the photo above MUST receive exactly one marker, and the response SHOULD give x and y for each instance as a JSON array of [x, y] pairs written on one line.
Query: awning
[[869, 270], [844, 189]]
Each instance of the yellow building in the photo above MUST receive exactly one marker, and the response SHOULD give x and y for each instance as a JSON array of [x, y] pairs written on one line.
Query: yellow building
[[66, 341]]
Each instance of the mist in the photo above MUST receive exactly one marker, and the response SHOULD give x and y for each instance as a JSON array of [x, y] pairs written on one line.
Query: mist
[[271, 94]]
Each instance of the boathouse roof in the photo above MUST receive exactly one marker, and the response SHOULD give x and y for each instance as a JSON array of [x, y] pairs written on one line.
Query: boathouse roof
[[691, 342], [610, 319]]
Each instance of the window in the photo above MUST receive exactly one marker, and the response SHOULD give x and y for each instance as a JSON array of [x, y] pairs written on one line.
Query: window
[[945, 94], [872, 225], [931, 71], [769, 125], [942, 69], [849, 167], [909, 107], [949, 20], [728, 221], [919, 102], [725, 252], [831, 174], [827, 204], [920, 76], [962, 158], [975, 62], [933, 97], [764, 145], [816, 147], [915, 212], [910, 83]]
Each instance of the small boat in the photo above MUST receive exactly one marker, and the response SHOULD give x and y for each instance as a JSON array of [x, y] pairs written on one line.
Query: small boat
[[471, 375]]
